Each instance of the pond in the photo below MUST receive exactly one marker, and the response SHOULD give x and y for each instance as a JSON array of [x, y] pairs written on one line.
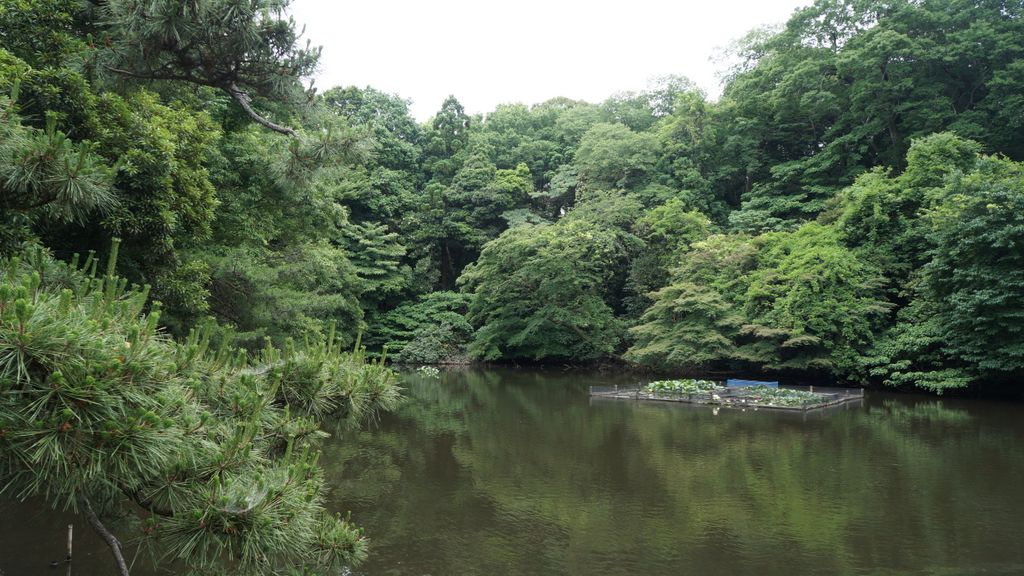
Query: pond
[[520, 472]]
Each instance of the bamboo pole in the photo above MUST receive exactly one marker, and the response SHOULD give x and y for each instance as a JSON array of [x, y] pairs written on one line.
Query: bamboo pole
[[71, 535]]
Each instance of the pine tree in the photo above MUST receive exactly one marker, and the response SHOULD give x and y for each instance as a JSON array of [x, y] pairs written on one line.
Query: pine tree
[[212, 456], [44, 175], [245, 48]]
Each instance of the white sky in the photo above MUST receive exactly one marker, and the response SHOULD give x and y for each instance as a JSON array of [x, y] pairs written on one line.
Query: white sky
[[528, 51]]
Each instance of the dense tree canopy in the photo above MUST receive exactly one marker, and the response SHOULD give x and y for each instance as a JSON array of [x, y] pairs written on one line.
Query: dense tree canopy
[[573, 231], [854, 115]]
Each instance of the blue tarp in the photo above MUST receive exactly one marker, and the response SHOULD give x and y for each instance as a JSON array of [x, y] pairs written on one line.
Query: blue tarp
[[741, 383]]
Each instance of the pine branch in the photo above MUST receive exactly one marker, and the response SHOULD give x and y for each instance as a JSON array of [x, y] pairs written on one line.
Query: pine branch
[[153, 75], [232, 89], [243, 99], [107, 535]]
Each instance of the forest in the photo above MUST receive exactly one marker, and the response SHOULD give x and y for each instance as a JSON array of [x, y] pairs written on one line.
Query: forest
[[847, 208], [204, 258]]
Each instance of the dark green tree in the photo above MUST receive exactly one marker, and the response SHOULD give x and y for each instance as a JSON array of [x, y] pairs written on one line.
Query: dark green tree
[[847, 85], [245, 48]]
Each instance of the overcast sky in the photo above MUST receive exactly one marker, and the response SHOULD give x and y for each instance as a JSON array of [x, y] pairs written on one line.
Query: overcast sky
[[487, 53]]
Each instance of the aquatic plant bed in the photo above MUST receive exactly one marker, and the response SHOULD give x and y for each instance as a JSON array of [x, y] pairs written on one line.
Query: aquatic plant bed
[[707, 392]]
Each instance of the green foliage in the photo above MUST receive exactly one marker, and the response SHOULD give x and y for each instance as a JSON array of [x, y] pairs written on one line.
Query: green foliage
[[819, 301], [60, 92], [430, 330], [560, 192], [449, 135], [845, 86], [539, 293], [768, 396], [805, 221], [280, 251], [439, 237], [481, 194], [39, 32], [690, 151], [300, 289], [166, 202], [673, 226], [539, 137], [668, 231], [376, 255], [100, 411], [693, 320], [976, 274], [689, 386], [44, 175], [943, 230], [163, 183], [612, 156], [879, 214], [785, 301], [687, 327], [387, 116], [435, 344], [914, 353], [832, 214], [468, 200]]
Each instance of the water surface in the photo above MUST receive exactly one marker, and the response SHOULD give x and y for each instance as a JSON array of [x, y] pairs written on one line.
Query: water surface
[[490, 472], [519, 472]]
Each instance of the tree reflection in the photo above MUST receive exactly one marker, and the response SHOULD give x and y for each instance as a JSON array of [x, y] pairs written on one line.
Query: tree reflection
[[520, 472]]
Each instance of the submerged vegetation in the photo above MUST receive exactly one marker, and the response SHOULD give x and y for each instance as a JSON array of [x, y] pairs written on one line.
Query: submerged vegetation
[[769, 396], [850, 208], [709, 392], [428, 372]]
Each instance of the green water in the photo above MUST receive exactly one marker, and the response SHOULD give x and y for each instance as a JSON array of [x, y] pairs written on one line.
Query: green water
[[488, 472], [512, 472]]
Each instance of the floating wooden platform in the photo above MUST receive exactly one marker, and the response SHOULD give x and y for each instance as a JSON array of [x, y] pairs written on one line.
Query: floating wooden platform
[[736, 397]]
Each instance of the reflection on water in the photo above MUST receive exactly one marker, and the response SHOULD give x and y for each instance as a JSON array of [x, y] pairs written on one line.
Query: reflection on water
[[495, 472], [515, 472]]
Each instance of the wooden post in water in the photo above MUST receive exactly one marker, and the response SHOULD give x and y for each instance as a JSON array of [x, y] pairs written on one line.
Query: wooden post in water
[[71, 534]]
